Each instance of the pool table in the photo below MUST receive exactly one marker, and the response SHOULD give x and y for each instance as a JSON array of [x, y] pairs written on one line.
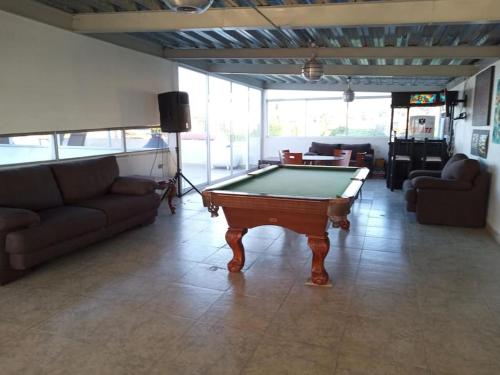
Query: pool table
[[301, 198]]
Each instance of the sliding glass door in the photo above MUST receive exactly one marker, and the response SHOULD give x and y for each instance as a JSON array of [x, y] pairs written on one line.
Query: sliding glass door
[[226, 127], [220, 128], [194, 148], [239, 128]]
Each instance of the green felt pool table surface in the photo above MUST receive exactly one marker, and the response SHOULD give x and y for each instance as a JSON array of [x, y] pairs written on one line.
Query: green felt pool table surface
[[291, 180]]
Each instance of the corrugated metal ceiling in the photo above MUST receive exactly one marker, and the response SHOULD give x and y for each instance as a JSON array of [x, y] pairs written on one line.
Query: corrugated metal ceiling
[[388, 36]]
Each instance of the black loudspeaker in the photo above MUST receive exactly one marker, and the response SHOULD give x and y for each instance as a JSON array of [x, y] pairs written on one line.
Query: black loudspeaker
[[174, 112]]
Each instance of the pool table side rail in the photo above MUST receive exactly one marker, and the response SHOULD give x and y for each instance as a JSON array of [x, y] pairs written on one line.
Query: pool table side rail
[[356, 183], [266, 203]]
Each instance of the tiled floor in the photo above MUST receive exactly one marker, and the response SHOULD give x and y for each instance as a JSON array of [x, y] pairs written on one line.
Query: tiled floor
[[406, 299]]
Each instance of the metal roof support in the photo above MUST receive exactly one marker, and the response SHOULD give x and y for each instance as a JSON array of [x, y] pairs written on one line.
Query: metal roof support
[[351, 70], [462, 52], [370, 13]]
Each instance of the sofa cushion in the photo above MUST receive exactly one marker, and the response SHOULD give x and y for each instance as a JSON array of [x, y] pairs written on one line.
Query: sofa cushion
[[409, 191], [32, 188], [449, 169], [80, 180], [361, 147], [463, 170], [118, 207], [323, 148], [133, 186], [17, 218], [57, 225]]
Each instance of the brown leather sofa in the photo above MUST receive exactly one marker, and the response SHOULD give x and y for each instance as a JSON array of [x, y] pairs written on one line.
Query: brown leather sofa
[[52, 209], [457, 195], [318, 148]]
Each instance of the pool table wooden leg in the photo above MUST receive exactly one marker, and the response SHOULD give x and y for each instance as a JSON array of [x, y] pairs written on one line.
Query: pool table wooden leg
[[234, 237], [320, 245]]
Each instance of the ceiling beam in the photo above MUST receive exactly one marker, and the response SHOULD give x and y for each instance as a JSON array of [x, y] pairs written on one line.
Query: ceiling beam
[[369, 13], [356, 88], [464, 52], [351, 70]]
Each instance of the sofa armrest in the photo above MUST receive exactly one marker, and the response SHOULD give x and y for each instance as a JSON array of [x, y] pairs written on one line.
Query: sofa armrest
[[423, 182], [16, 218], [422, 173], [133, 186]]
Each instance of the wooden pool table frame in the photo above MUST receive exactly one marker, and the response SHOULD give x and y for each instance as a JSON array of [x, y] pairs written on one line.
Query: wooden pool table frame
[[302, 214]]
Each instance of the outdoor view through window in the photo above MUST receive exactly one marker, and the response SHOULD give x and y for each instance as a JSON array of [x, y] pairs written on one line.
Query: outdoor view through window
[[321, 113]]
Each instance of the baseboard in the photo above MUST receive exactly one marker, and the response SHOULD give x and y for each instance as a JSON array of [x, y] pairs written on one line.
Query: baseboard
[[493, 232]]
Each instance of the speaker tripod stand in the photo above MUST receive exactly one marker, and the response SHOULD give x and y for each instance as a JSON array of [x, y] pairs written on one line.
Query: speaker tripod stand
[[179, 176]]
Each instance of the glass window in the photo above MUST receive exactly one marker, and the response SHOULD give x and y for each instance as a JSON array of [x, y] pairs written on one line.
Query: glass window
[[326, 114], [325, 118], [26, 149], [80, 144], [399, 122], [369, 117], [286, 118], [145, 139]]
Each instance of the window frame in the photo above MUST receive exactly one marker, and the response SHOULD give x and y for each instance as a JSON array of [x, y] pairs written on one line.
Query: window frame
[[55, 150]]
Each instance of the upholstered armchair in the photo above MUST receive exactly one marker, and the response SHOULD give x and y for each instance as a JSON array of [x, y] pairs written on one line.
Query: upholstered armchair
[[457, 195]]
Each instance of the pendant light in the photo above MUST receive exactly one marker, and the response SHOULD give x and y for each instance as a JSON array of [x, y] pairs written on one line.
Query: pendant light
[[312, 70], [348, 94], [188, 6]]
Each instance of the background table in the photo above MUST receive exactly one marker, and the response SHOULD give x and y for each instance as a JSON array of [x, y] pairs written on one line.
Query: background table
[[273, 160]]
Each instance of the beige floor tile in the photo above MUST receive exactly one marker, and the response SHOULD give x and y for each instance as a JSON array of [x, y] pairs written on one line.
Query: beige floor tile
[[263, 285], [183, 300], [29, 308], [382, 303], [390, 339], [284, 357], [36, 353], [337, 297], [210, 349], [243, 312], [80, 319], [223, 255], [206, 276], [356, 363], [143, 336], [303, 323]]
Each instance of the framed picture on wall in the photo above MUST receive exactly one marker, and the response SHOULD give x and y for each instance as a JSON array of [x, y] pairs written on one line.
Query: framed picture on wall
[[496, 118], [479, 143], [483, 92]]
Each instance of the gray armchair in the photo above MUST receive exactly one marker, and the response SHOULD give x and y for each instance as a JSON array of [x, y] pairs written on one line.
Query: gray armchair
[[457, 195]]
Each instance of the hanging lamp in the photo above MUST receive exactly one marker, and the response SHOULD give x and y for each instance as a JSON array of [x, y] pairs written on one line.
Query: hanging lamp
[[312, 70], [188, 6], [348, 94]]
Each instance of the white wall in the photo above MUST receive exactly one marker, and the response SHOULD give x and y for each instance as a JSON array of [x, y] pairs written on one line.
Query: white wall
[[463, 135], [52, 79], [272, 145]]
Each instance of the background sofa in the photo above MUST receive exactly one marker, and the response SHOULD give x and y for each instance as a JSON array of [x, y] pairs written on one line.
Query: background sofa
[[327, 149], [457, 195], [49, 210]]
